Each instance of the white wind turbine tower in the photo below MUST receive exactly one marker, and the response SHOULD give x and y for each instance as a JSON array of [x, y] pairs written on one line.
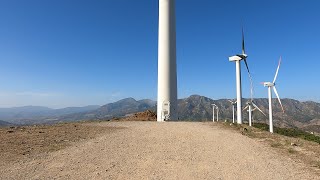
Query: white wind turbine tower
[[217, 113], [250, 110], [167, 68], [213, 107], [237, 58], [233, 103], [272, 85]]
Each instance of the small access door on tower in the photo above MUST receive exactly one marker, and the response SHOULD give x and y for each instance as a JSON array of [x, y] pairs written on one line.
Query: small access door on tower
[[166, 110]]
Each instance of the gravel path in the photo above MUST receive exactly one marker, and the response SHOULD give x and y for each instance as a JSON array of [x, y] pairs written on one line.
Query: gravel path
[[170, 150]]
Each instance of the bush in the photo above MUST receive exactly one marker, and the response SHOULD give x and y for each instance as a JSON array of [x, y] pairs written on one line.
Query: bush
[[290, 132], [261, 126]]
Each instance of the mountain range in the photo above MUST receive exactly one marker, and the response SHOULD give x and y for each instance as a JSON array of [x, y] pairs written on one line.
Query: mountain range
[[304, 115], [37, 114]]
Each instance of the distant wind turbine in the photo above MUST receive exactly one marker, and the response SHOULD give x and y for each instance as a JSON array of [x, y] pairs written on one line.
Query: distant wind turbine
[[217, 113], [237, 58], [272, 85], [251, 104], [250, 110], [233, 103], [213, 107]]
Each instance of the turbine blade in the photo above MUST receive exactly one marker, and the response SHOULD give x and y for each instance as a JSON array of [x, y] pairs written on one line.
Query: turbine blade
[[245, 108], [275, 77], [250, 78], [258, 109], [245, 61], [276, 92], [243, 48]]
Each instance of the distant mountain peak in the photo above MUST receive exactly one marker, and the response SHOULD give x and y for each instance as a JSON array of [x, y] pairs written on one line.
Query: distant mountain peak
[[194, 96], [130, 99]]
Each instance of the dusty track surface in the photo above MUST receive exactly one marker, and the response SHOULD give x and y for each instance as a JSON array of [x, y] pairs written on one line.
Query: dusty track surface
[[151, 150]]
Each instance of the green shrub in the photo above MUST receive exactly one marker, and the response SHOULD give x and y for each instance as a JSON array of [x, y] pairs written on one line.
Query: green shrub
[[290, 132]]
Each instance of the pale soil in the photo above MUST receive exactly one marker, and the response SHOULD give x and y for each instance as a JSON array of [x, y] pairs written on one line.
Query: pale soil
[[151, 150]]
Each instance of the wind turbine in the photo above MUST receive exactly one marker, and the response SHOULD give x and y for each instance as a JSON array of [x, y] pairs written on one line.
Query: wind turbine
[[217, 113], [213, 107], [237, 58], [233, 103], [250, 110], [217, 108], [272, 85]]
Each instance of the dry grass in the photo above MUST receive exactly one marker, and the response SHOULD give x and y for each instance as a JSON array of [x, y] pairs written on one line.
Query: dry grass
[[30, 141], [297, 149]]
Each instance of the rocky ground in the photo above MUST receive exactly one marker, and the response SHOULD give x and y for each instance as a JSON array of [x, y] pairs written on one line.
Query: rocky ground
[[147, 150], [141, 116]]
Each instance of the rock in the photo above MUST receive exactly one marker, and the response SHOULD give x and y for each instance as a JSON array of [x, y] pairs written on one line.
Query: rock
[[144, 116], [294, 144]]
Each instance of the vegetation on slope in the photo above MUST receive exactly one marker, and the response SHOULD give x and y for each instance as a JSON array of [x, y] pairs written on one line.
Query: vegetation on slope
[[290, 132]]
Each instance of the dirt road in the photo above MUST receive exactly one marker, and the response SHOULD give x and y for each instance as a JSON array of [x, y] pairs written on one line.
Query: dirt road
[[151, 150]]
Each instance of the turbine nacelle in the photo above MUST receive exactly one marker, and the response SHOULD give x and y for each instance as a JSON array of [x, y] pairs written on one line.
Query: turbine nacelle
[[268, 84], [249, 102], [233, 102], [238, 57], [252, 104], [214, 106]]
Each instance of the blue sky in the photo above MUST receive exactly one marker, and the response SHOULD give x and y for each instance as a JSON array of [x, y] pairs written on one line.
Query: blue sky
[[60, 53]]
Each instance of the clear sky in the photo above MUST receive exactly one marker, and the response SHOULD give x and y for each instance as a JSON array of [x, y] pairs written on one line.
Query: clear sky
[[60, 53]]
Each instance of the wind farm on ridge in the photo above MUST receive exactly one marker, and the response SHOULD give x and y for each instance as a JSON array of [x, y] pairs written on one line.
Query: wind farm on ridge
[[167, 75], [107, 51]]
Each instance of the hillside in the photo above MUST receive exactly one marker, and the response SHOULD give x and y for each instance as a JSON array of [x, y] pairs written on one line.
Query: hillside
[[4, 123], [38, 114], [117, 109], [305, 115]]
